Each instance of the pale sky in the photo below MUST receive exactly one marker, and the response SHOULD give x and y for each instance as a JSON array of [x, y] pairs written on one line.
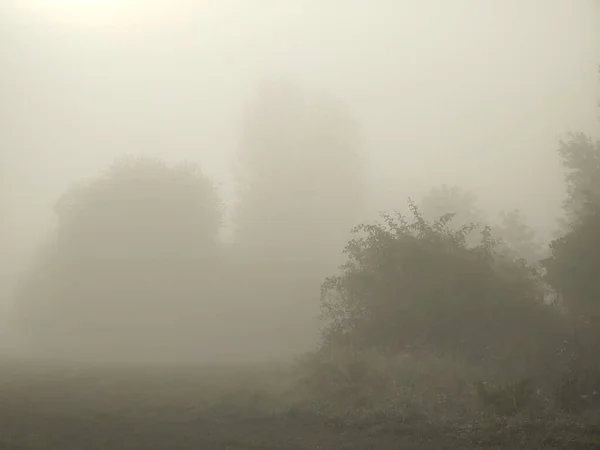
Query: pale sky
[[468, 92]]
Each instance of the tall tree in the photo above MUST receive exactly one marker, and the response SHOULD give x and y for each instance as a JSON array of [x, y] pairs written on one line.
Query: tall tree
[[301, 187], [132, 266], [517, 239], [574, 263], [573, 266], [580, 155], [572, 270], [301, 175], [462, 203]]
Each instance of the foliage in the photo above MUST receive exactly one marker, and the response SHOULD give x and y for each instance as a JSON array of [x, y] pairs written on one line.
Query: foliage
[[132, 257], [462, 203], [580, 156], [572, 267], [517, 239], [574, 260], [572, 271], [445, 199], [136, 201], [419, 284], [301, 154], [359, 385]]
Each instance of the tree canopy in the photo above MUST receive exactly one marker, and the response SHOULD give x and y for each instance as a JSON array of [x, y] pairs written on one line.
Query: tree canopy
[[301, 154], [134, 256], [573, 264], [580, 156], [445, 199], [517, 238]]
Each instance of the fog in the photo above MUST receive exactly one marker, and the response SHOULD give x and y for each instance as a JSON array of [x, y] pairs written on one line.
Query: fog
[[466, 93]]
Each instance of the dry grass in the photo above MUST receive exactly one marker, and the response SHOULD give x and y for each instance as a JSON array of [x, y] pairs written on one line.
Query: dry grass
[[329, 401], [408, 387]]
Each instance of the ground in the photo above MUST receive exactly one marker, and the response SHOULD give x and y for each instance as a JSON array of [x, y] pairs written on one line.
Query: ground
[[82, 406]]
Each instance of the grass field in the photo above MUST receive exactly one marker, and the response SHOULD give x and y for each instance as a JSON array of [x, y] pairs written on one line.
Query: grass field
[[84, 406]]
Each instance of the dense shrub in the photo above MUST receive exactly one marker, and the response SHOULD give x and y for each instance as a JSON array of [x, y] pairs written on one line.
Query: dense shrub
[[417, 284], [572, 270], [363, 385]]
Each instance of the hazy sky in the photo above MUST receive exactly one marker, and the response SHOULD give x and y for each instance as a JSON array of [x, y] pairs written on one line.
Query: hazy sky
[[472, 92]]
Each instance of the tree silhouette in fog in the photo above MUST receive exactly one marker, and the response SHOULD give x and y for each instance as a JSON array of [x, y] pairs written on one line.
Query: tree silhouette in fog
[[300, 175], [517, 238], [446, 199], [160, 212], [572, 270], [580, 156], [134, 256], [574, 263]]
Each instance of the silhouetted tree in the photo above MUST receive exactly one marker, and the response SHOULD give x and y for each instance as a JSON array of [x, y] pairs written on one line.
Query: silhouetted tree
[[575, 257], [134, 260], [572, 270], [462, 204], [580, 156], [301, 176], [301, 186], [574, 264], [516, 238]]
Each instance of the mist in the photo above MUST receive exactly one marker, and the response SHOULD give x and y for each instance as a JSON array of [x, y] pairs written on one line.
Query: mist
[[467, 93]]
